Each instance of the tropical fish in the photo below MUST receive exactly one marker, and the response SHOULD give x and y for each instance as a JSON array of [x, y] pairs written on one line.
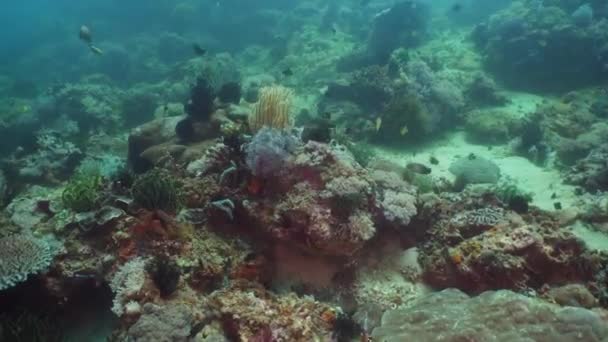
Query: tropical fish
[[85, 34], [96, 50], [287, 72], [198, 50], [418, 168], [433, 160], [378, 123]]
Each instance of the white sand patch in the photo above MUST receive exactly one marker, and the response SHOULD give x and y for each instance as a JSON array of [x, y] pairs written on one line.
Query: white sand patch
[[543, 182], [593, 238]]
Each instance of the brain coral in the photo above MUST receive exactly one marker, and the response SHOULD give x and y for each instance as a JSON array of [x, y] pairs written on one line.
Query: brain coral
[[20, 256]]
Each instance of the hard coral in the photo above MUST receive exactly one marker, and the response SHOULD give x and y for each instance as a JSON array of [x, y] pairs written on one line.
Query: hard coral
[[248, 309], [21, 256]]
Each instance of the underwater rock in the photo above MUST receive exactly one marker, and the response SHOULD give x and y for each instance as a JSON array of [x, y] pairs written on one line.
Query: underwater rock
[[249, 308], [545, 48], [473, 169], [490, 125], [389, 32], [167, 323], [328, 205], [91, 220], [53, 160], [591, 172], [150, 134], [484, 91], [492, 316], [576, 295], [477, 247]]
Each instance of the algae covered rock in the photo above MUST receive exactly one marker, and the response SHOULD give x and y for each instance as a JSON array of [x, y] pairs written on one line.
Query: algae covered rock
[[474, 169], [492, 316], [489, 125]]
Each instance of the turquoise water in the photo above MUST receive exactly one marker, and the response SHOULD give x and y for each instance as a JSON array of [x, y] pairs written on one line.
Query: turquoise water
[[282, 170]]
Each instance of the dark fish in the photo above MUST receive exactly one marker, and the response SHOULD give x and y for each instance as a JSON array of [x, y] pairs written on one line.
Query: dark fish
[[433, 160], [198, 50], [418, 168], [557, 206], [456, 7], [287, 72]]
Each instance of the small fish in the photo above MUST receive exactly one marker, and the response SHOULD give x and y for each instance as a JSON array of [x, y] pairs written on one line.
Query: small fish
[[553, 195], [287, 72], [25, 109], [96, 50], [457, 7], [198, 50], [85, 34], [418, 168], [433, 160], [403, 131], [557, 206], [378, 123]]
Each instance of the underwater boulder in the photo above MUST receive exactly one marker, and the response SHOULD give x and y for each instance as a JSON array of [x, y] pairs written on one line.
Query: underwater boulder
[[474, 169], [150, 134], [404, 24], [543, 48], [492, 316]]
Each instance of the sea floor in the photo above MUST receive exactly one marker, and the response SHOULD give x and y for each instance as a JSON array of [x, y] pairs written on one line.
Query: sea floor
[[544, 182]]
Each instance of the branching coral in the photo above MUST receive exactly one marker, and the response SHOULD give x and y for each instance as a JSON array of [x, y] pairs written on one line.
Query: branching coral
[[21, 256], [272, 109]]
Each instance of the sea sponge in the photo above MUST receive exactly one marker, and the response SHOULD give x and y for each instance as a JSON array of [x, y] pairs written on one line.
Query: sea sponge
[[157, 190], [20, 256]]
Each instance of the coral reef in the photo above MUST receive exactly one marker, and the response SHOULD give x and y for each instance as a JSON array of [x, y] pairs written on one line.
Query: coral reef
[[268, 151], [248, 311], [544, 46], [22, 256], [163, 323]]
